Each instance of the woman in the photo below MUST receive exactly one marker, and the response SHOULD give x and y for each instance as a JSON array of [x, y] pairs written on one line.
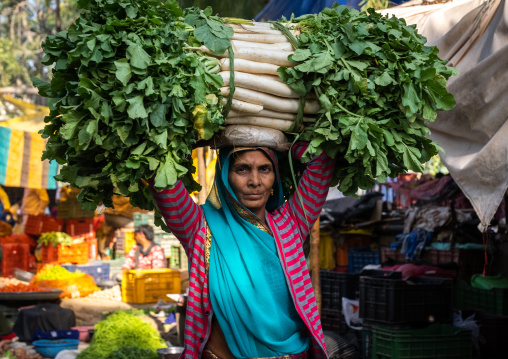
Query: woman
[[250, 294]]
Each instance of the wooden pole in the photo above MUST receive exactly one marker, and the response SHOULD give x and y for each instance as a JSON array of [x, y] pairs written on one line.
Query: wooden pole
[[202, 175], [314, 259]]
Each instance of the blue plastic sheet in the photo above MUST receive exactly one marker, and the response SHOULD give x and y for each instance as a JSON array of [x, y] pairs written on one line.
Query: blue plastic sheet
[[275, 9]]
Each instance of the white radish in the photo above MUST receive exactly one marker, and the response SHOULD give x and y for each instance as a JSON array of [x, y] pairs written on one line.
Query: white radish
[[275, 123], [270, 77], [265, 38], [275, 57], [272, 102], [250, 67], [249, 29], [271, 114], [243, 107], [285, 46], [256, 83]]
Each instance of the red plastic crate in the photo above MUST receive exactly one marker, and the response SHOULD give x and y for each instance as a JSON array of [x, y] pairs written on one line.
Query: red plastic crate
[[93, 252], [36, 225], [16, 255], [80, 227], [76, 253]]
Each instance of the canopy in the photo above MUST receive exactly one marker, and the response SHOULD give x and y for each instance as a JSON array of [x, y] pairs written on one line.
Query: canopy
[[21, 149], [473, 36]]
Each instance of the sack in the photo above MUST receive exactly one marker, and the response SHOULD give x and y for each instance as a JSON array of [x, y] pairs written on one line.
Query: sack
[[251, 136]]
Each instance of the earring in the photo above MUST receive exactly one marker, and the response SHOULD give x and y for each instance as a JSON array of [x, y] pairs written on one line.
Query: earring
[[271, 192]]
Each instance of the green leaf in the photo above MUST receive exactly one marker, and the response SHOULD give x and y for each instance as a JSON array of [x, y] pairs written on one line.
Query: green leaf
[[158, 116], [411, 161], [136, 108], [138, 57], [123, 71], [301, 55]]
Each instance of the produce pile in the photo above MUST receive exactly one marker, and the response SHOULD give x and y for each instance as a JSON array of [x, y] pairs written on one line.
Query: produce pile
[[72, 284], [136, 84], [119, 331], [22, 288], [15, 285], [56, 238]]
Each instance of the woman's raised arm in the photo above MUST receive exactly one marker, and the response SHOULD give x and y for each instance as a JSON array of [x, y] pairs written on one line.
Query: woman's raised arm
[[181, 214], [308, 200]]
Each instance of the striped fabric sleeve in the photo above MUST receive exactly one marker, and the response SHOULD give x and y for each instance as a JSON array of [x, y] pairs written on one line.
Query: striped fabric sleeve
[[307, 202], [181, 214]]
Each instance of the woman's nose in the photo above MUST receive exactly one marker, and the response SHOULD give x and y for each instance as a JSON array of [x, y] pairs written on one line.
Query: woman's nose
[[255, 179]]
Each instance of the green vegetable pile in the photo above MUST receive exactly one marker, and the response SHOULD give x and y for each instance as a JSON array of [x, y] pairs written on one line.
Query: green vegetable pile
[[55, 238], [119, 331], [133, 353], [378, 86], [129, 100]]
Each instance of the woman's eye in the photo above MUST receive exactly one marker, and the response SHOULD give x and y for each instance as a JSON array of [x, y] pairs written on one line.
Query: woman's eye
[[265, 169]]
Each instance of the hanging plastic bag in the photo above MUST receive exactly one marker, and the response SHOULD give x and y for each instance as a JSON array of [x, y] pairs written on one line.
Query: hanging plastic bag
[[351, 310]]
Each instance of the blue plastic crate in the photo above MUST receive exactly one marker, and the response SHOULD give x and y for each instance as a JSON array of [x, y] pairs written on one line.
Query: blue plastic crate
[[99, 271], [360, 257]]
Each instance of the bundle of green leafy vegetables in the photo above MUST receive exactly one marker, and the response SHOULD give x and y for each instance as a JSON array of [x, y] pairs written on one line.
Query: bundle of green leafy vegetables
[[128, 100], [132, 352], [121, 330], [378, 86]]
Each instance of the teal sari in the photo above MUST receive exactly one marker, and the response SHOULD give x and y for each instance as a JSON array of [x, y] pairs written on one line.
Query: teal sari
[[248, 289]]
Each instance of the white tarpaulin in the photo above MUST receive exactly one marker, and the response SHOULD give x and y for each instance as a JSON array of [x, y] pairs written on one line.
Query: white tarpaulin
[[473, 36]]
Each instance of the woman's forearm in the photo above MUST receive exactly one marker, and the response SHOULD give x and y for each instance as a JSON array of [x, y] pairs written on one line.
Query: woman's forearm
[[181, 214], [310, 196]]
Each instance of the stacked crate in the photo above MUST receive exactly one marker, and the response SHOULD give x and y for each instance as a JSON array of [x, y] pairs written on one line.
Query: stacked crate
[[334, 286], [411, 318]]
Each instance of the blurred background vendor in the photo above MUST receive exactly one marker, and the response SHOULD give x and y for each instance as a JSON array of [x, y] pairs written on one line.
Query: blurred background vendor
[[146, 254]]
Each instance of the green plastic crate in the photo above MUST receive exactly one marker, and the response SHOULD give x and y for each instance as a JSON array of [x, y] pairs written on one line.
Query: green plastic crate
[[493, 301], [441, 341], [143, 218], [178, 257]]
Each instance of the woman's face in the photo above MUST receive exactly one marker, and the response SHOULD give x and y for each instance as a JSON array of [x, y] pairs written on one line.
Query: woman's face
[[251, 176]]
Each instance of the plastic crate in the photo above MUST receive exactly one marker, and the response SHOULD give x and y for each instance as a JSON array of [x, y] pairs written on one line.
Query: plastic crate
[[76, 253], [166, 241], [149, 285], [362, 256], [436, 256], [80, 227], [432, 256], [143, 218], [124, 239], [436, 341], [494, 301], [99, 271], [415, 300], [15, 255], [335, 285], [72, 209], [332, 320], [393, 254], [129, 241], [93, 249], [178, 257], [36, 225], [493, 329]]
